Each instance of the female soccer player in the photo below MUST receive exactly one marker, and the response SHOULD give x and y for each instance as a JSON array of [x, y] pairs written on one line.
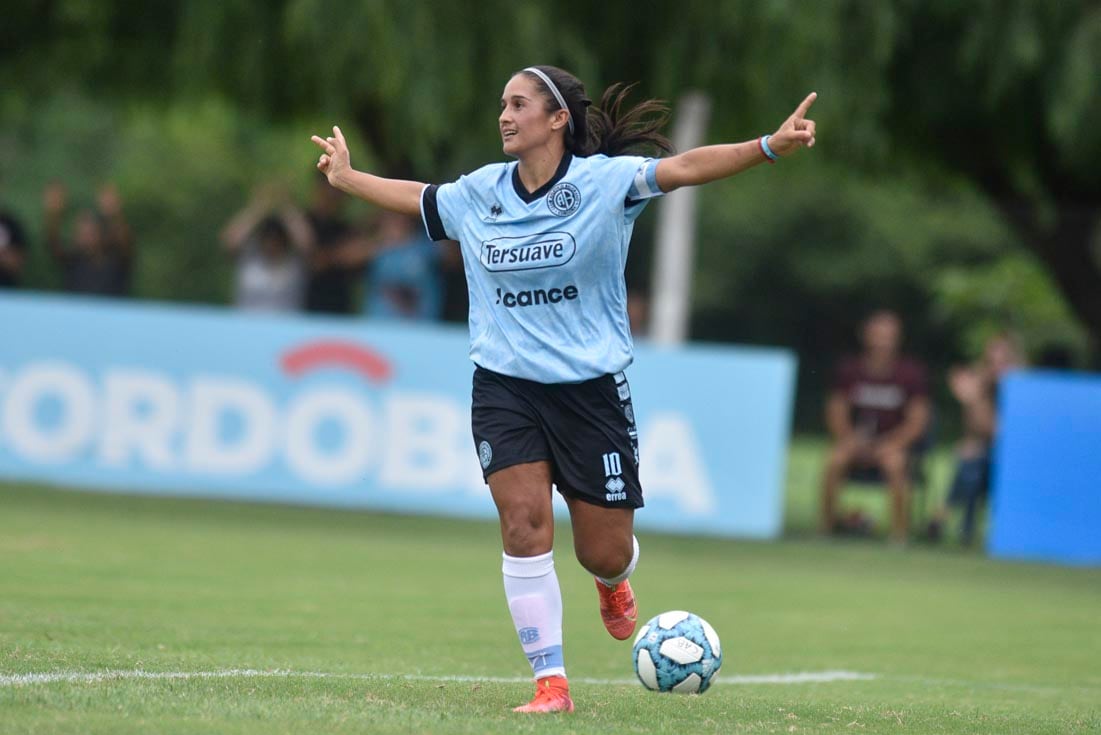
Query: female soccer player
[[544, 243]]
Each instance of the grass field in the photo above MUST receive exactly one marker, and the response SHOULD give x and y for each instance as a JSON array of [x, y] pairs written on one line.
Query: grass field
[[229, 618]]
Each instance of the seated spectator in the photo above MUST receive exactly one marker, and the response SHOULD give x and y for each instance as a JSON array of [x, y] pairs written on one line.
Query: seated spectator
[[13, 250], [975, 387], [404, 269], [272, 241], [99, 260], [332, 279], [878, 408]]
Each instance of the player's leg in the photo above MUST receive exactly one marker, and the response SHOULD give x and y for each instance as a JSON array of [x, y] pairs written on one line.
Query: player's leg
[[590, 429], [605, 544], [522, 494], [603, 539], [515, 463]]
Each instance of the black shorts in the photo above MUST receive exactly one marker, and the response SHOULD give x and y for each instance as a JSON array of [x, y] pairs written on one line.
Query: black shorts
[[585, 430]]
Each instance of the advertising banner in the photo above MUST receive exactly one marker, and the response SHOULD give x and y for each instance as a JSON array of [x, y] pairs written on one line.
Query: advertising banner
[[158, 399], [1047, 469]]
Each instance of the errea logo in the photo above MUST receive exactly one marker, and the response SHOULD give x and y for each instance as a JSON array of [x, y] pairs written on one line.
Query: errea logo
[[545, 250]]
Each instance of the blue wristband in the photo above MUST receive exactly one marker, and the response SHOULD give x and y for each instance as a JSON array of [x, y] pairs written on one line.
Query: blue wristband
[[768, 151]]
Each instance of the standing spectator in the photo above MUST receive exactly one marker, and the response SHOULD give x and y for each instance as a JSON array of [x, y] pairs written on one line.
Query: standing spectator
[[403, 270], [877, 409], [975, 387], [99, 260], [272, 242], [13, 250], [404, 280], [332, 279]]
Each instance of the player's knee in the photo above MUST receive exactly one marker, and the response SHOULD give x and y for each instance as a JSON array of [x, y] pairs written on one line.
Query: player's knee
[[524, 532], [605, 560]]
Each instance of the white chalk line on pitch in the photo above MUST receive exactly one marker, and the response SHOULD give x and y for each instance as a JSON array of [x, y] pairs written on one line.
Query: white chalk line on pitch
[[91, 677]]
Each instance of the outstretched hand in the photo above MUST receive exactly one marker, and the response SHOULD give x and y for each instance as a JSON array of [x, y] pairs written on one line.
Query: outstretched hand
[[796, 132], [335, 160]]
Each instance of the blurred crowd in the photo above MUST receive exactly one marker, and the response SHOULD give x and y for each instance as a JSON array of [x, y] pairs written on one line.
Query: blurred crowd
[[286, 258]]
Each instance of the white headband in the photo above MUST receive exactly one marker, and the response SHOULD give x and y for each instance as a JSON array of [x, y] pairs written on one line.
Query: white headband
[[554, 90]]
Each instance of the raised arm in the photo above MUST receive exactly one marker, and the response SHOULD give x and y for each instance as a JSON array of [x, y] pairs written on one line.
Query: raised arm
[[714, 162], [298, 227], [393, 194], [241, 225]]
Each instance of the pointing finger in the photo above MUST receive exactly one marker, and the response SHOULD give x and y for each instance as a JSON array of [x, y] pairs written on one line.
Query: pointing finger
[[323, 145], [339, 136], [801, 110]]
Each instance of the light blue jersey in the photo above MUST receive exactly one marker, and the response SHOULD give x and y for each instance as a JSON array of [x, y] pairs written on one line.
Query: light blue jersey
[[548, 300]]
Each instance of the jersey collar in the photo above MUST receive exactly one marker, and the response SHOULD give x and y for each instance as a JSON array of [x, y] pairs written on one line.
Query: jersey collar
[[528, 198]]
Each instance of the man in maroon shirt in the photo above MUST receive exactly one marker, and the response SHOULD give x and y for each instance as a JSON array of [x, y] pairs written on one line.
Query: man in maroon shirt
[[877, 409]]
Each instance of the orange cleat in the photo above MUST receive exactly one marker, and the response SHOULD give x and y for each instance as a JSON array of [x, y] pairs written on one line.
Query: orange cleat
[[618, 609], [552, 694]]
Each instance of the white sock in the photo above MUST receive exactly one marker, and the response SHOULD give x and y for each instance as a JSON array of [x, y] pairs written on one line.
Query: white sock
[[626, 572], [535, 601]]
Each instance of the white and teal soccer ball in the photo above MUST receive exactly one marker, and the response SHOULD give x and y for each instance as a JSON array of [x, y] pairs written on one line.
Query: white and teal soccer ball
[[677, 652]]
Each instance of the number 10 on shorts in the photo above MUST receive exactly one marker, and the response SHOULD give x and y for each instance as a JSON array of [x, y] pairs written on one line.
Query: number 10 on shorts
[[612, 466]]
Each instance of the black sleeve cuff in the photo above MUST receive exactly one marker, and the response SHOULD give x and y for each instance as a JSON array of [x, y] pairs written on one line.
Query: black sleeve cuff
[[431, 213]]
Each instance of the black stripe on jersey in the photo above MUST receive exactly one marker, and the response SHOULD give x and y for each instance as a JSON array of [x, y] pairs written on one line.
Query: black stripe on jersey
[[431, 210], [559, 174]]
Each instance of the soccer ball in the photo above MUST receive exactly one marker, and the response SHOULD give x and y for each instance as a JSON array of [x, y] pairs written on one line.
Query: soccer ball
[[677, 652]]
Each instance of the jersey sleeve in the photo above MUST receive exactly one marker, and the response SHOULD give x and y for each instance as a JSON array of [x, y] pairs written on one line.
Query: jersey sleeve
[[644, 184], [630, 182], [443, 208]]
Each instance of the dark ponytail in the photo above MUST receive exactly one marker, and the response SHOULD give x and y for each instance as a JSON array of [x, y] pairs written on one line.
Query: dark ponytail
[[606, 129]]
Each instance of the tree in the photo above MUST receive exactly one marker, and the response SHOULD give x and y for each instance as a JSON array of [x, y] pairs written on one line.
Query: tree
[[1019, 116], [998, 93]]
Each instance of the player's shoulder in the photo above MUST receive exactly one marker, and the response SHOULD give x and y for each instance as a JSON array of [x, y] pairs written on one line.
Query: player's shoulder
[[480, 184], [487, 175], [612, 173], [603, 162]]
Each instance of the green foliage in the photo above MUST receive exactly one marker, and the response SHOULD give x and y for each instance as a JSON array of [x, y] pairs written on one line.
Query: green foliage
[[1010, 292]]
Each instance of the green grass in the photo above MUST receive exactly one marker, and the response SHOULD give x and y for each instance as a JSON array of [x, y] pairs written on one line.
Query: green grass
[[88, 583]]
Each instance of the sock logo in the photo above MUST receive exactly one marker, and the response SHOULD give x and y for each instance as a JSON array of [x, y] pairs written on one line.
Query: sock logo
[[528, 635]]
